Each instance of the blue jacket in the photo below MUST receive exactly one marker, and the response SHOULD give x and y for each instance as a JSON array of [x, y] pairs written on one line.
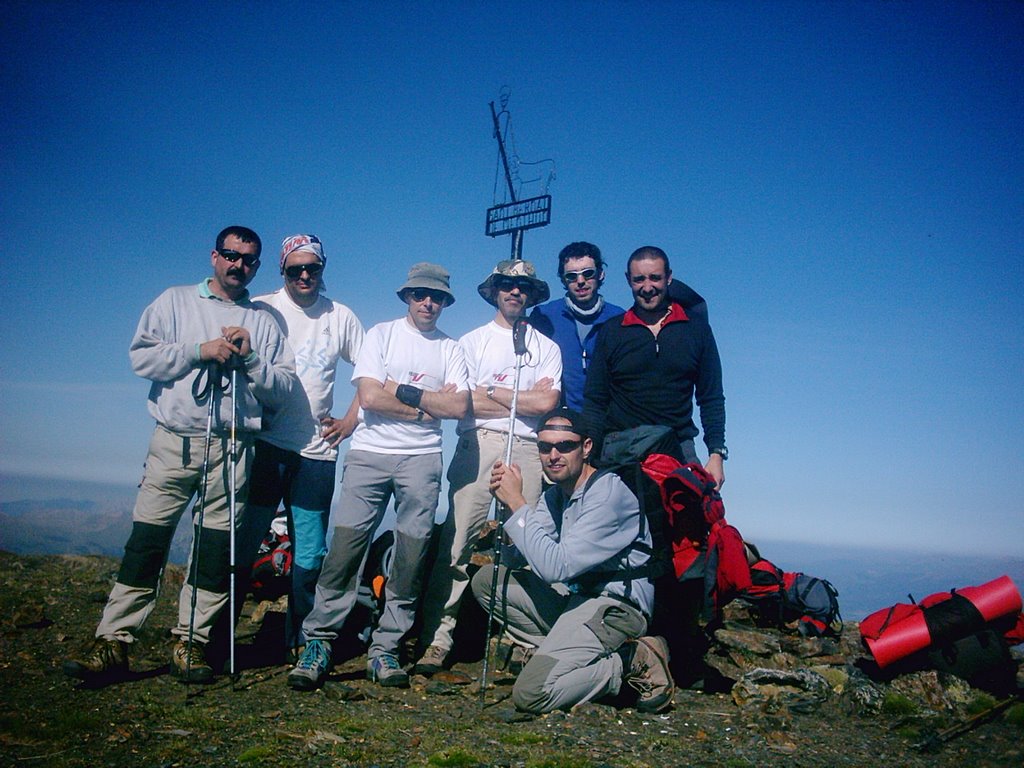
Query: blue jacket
[[556, 321]]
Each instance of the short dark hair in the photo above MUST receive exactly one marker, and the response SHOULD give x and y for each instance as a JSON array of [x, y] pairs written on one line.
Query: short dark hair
[[648, 252], [578, 250], [244, 234]]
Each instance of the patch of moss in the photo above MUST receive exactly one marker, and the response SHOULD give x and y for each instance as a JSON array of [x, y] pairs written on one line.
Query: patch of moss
[[979, 703], [896, 705], [257, 754], [909, 732], [454, 758], [561, 762], [1015, 715], [522, 737]]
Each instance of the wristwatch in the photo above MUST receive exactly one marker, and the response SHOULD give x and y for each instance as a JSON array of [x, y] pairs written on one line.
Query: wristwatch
[[723, 452], [490, 392]]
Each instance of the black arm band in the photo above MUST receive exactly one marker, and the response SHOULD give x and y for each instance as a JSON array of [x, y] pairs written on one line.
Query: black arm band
[[410, 395]]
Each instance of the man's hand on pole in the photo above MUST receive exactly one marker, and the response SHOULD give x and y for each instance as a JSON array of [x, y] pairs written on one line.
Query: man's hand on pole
[[238, 337], [507, 485]]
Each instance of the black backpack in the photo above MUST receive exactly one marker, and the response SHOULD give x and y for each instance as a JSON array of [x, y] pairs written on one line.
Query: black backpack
[[623, 453]]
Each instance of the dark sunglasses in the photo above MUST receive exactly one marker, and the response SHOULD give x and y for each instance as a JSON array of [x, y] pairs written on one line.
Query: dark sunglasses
[[572, 277], [249, 259], [295, 271], [508, 284], [563, 446], [421, 294]]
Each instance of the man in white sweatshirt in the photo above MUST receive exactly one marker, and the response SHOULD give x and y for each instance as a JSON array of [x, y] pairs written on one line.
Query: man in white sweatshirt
[[297, 451], [183, 343]]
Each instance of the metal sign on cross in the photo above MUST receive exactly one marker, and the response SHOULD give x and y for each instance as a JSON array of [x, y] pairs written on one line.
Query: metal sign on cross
[[517, 216], [524, 214]]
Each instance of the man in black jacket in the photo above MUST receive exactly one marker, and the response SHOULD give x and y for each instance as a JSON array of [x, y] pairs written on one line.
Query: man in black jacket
[[651, 363]]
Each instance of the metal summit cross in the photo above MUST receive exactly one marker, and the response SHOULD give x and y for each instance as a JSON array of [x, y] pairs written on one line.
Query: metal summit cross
[[517, 215]]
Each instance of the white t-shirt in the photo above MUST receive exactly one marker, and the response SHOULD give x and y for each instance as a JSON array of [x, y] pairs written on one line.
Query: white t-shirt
[[396, 350], [491, 360], [319, 336]]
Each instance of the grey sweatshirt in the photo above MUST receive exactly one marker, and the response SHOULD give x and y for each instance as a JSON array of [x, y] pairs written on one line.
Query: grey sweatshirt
[[165, 350], [593, 530]]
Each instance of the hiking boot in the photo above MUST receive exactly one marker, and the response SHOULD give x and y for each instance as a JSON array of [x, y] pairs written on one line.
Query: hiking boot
[[649, 675], [431, 662], [519, 657], [104, 660], [293, 654], [189, 665], [312, 666], [386, 671]]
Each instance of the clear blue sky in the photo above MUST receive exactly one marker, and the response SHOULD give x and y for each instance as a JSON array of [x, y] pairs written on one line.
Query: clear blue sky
[[842, 181]]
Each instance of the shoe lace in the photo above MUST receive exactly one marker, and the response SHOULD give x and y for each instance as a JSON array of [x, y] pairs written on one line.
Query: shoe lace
[[104, 652], [315, 656], [192, 656], [639, 678], [387, 661]]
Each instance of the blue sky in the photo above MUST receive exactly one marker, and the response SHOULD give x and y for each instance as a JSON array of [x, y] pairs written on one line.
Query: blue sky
[[842, 181]]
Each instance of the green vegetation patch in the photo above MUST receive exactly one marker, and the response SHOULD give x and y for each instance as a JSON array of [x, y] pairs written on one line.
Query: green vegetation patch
[[523, 737], [896, 705], [1015, 715], [455, 758], [563, 761], [257, 754]]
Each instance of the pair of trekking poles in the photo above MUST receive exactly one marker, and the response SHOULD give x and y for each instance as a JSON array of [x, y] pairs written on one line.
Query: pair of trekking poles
[[519, 330], [214, 385]]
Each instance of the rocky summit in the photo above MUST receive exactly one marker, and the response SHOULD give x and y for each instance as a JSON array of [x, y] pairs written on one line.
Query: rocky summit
[[768, 697]]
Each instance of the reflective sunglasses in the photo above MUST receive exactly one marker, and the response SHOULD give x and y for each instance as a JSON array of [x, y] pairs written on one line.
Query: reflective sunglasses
[[421, 294], [249, 259], [572, 277], [563, 446], [508, 284], [295, 271]]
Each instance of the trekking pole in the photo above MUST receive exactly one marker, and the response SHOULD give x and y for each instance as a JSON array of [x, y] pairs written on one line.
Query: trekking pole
[[519, 327], [199, 391], [234, 364]]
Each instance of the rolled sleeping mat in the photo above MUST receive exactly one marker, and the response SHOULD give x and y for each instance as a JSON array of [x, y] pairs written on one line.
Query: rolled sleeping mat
[[894, 633]]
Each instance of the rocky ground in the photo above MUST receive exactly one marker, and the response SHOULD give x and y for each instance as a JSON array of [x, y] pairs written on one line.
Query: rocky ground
[[818, 712]]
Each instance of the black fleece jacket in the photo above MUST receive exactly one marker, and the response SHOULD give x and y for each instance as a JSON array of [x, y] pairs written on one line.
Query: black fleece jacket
[[635, 378]]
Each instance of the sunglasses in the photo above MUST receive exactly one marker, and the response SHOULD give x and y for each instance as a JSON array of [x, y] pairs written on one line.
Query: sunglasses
[[421, 294], [508, 284], [295, 271], [563, 446], [249, 259], [585, 274]]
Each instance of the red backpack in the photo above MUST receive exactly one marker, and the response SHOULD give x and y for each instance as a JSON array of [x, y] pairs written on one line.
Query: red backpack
[[779, 597]]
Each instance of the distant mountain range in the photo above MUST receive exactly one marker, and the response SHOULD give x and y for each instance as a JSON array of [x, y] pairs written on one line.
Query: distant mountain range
[[77, 518], [75, 527]]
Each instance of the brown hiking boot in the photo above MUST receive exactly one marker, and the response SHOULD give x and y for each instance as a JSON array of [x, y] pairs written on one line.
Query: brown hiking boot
[[431, 662], [649, 675], [519, 656], [189, 665], [104, 660]]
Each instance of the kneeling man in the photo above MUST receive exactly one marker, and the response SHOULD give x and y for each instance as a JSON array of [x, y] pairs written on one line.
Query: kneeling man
[[582, 604]]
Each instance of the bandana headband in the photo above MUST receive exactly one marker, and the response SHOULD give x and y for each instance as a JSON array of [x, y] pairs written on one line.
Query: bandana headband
[[302, 243]]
